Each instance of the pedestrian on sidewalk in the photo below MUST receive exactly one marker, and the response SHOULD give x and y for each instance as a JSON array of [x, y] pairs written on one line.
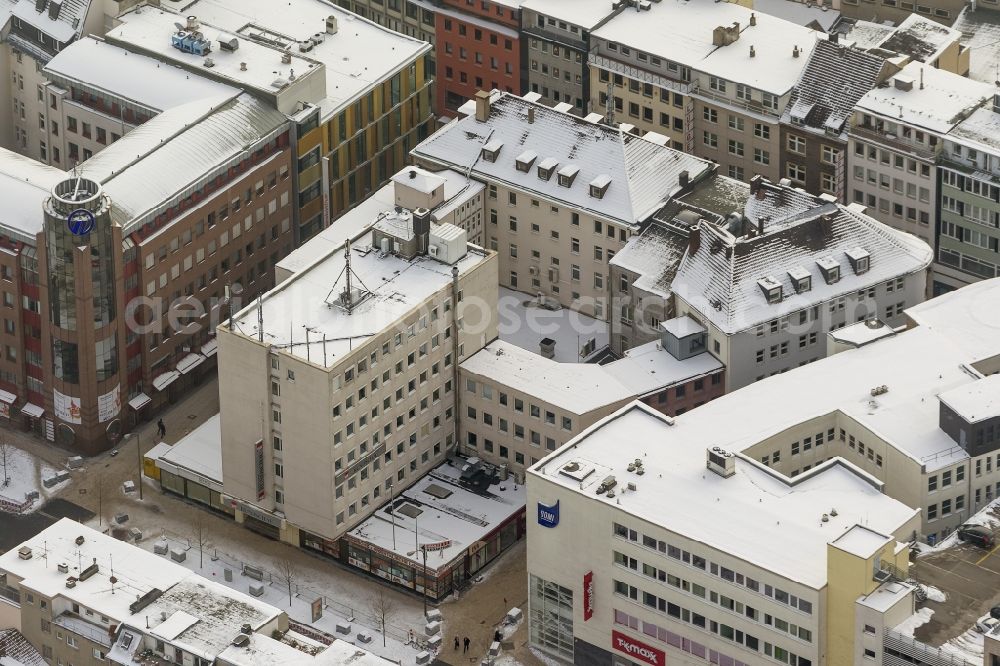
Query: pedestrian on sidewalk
[[466, 642], [161, 429], [497, 636], [456, 643]]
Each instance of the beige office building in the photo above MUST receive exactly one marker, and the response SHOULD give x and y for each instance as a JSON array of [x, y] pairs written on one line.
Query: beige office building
[[563, 194], [714, 78], [339, 387]]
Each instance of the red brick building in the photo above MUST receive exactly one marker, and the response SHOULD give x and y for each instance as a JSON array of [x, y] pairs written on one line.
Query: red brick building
[[478, 48]]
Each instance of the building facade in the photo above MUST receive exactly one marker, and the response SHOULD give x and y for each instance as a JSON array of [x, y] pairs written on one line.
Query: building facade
[[362, 378], [896, 137], [558, 206], [716, 83]]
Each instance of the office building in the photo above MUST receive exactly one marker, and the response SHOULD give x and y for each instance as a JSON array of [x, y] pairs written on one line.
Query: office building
[[339, 384], [357, 93], [520, 406], [563, 194], [746, 566], [714, 78], [896, 135], [557, 33]]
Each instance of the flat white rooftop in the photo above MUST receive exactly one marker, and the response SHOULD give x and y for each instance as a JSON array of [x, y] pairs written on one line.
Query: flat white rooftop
[[681, 327], [976, 401], [681, 31], [861, 541], [583, 13], [198, 455], [142, 80], [980, 131], [24, 185], [437, 511], [263, 650], [862, 332], [302, 307], [525, 324], [755, 514], [943, 101]]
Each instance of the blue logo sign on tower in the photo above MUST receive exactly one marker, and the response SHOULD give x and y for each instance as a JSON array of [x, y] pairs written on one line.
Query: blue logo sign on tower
[[548, 514], [80, 222]]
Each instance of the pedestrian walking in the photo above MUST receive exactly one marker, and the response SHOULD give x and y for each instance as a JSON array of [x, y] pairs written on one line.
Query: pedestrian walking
[[456, 643], [466, 642], [161, 429], [497, 636]]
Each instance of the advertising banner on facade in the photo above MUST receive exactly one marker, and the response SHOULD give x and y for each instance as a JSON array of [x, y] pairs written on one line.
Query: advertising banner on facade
[[548, 514], [588, 595], [637, 650], [258, 468], [109, 405], [67, 407]]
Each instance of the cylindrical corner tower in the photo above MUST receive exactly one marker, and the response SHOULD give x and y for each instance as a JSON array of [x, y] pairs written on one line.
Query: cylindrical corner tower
[[83, 266]]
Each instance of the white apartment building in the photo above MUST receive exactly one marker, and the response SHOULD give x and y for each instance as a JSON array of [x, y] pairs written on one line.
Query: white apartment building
[[772, 280], [713, 77], [895, 139], [339, 388], [653, 545], [563, 194]]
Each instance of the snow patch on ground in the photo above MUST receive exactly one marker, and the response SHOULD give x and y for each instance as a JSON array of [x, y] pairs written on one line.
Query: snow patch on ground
[[25, 473], [968, 646], [544, 658], [934, 594], [987, 517], [910, 624]]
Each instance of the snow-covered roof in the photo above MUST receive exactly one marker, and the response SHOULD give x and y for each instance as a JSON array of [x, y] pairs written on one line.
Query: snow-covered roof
[[938, 105], [208, 145], [355, 59], [15, 650], [981, 130], [866, 34], [861, 541], [920, 38], [833, 81], [527, 320], [24, 185], [418, 179], [862, 332], [203, 616], [583, 13], [654, 256], [966, 317], [67, 24], [643, 174], [720, 278], [649, 367], [681, 31], [198, 455], [977, 401], [448, 517], [778, 523], [261, 650], [137, 570], [800, 13], [681, 327], [95, 64], [981, 36], [303, 305]]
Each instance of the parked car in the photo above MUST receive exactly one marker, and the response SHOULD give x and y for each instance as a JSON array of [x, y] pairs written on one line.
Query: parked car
[[977, 535], [995, 612], [986, 624]]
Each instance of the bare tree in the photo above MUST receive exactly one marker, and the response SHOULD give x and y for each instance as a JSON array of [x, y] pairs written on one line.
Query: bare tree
[[4, 449], [200, 537], [383, 607], [287, 574]]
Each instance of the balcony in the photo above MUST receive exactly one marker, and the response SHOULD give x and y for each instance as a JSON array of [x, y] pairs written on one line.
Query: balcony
[[874, 135], [630, 72]]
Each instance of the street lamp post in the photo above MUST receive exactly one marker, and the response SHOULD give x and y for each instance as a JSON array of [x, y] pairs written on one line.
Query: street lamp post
[[138, 455], [393, 517]]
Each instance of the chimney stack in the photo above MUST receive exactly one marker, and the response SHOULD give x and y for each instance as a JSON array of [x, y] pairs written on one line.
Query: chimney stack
[[482, 106], [683, 178], [694, 239], [795, 51], [753, 18], [422, 229], [755, 183], [752, 51], [531, 115]]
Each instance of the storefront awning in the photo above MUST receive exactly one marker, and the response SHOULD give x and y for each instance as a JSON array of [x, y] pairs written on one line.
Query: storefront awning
[[210, 347], [32, 410], [161, 382], [139, 401], [189, 363], [8, 397]]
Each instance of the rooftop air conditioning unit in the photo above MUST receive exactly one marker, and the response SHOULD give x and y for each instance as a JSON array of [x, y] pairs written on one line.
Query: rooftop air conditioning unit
[[721, 462]]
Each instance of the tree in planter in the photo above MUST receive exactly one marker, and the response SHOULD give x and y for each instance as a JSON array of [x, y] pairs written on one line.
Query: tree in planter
[[287, 574], [383, 607], [200, 537]]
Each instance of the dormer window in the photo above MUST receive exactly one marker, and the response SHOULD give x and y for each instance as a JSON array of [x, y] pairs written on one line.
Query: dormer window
[[491, 151], [568, 174], [772, 289], [801, 279], [525, 160], [830, 269], [546, 167], [599, 186], [860, 260]]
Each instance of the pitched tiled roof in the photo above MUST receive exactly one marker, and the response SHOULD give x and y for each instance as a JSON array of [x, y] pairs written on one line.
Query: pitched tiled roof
[[720, 279], [15, 650], [833, 81], [643, 174]]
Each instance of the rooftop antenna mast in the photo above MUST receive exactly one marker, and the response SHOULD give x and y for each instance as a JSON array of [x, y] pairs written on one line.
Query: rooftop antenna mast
[[348, 299], [260, 320]]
